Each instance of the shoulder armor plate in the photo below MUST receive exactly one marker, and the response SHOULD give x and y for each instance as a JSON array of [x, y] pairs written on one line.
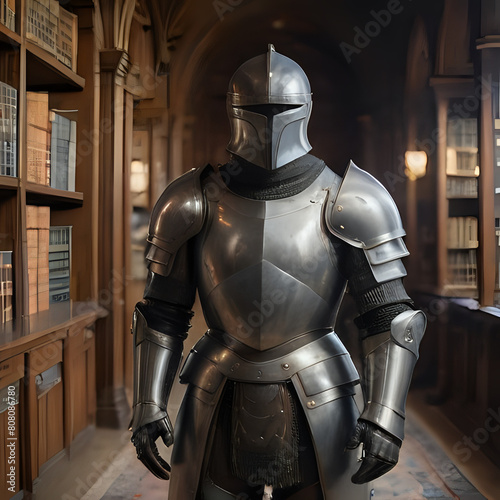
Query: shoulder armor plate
[[177, 216], [363, 213]]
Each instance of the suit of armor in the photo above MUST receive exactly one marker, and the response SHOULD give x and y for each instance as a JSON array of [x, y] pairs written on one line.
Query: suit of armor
[[270, 241]]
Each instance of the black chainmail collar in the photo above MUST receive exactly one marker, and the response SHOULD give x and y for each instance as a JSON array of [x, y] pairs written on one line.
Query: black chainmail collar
[[250, 181]]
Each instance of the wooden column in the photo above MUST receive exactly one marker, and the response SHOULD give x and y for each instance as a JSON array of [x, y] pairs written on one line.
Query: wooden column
[[489, 65], [112, 406]]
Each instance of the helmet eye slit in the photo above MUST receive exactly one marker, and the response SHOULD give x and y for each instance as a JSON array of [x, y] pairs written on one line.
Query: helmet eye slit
[[269, 110]]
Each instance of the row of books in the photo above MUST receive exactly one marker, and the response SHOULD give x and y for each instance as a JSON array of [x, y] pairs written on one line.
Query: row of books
[[462, 232], [8, 13], [59, 263], [51, 141], [6, 288], [8, 130], [53, 28], [462, 132], [49, 262], [462, 161], [462, 268], [461, 187], [49, 250]]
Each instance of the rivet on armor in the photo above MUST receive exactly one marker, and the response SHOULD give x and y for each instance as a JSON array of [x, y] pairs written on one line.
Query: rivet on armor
[[311, 404], [235, 367], [285, 366], [259, 373], [340, 208], [408, 336]]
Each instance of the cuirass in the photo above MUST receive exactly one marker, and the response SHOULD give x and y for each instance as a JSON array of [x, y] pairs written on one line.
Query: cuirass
[[269, 271]]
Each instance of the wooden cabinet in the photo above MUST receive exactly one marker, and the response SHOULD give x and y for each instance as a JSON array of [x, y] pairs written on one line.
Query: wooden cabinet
[[51, 364], [11, 456], [45, 401], [79, 377]]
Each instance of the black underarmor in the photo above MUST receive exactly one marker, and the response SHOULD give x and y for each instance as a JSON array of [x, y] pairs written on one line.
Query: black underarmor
[[250, 181]]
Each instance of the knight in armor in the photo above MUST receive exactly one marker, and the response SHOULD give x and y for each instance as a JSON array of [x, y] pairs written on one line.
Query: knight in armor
[[270, 241]]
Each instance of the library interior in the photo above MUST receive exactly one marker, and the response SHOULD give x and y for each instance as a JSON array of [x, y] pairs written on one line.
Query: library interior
[[103, 103]]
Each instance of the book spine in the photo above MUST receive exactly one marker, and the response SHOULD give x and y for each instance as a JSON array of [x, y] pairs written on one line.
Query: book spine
[[8, 130], [38, 138], [37, 232], [60, 263], [63, 152], [6, 287]]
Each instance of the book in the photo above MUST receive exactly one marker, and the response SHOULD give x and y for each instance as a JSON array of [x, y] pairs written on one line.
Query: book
[[461, 187], [8, 13], [6, 287], [462, 232], [37, 235], [62, 152], [42, 24], [67, 38], [59, 263], [8, 130], [54, 28], [38, 137]]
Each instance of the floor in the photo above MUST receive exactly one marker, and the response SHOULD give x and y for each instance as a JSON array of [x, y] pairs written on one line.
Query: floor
[[106, 468]]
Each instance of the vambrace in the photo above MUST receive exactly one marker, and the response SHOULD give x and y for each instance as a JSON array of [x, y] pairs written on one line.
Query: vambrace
[[389, 360], [157, 356]]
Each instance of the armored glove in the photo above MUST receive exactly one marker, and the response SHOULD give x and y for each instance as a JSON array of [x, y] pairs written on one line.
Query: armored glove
[[380, 451], [144, 440], [156, 359]]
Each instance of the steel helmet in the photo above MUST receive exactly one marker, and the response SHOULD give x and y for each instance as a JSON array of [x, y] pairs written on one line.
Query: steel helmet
[[269, 104]]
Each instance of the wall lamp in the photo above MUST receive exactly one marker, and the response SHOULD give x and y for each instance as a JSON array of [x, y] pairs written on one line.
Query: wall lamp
[[416, 164]]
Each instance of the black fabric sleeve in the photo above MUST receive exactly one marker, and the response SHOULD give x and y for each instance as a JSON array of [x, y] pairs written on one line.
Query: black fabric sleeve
[[377, 303], [168, 300]]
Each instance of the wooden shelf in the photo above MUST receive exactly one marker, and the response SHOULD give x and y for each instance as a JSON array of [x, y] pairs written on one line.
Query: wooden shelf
[[8, 37], [36, 329], [57, 199], [8, 182], [45, 72]]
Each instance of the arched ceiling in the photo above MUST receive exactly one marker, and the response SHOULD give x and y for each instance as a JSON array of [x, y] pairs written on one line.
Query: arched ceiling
[[354, 53]]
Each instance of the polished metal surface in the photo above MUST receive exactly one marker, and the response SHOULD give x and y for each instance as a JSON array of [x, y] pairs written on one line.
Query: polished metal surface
[[331, 425], [389, 366], [191, 436], [177, 216], [156, 359], [275, 138], [263, 263], [320, 365], [363, 213]]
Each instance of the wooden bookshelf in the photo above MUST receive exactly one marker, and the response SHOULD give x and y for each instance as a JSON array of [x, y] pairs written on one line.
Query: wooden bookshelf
[[58, 199], [9, 37], [9, 183], [62, 335], [45, 72]]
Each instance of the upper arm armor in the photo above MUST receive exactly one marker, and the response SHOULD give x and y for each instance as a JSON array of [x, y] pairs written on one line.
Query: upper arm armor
[[363, 214], [178, 215]]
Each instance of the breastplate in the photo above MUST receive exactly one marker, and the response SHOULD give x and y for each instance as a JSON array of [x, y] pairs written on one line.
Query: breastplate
[[268, 270]]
